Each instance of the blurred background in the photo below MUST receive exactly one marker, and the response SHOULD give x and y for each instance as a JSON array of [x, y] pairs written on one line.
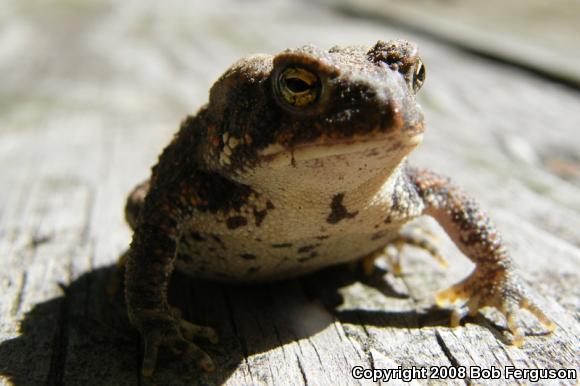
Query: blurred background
[[91, 91]]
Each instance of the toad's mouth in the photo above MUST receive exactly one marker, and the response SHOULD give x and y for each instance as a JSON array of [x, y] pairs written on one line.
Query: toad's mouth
[[278, 155]]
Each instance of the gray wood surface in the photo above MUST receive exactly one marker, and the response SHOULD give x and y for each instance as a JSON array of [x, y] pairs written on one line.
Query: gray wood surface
[[541, 36], [91, 92]]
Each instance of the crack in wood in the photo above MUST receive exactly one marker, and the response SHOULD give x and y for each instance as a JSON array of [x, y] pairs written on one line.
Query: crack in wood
[[17, 304], [302, 372], [317, 353], [454, 362]]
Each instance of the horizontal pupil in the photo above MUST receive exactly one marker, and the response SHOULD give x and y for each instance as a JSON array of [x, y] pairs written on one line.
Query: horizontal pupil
[[297, 85]]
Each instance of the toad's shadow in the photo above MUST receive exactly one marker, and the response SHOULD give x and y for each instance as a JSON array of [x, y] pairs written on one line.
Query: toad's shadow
[[90, 341]]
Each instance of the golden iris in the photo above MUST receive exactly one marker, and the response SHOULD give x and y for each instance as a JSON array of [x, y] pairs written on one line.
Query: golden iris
[[298, 86]]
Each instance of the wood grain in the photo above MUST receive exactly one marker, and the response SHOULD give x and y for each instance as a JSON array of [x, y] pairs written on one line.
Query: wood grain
[[536, 35], [92, 91]]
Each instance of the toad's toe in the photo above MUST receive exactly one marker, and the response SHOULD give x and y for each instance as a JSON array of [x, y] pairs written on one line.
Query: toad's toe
[[498, 289]]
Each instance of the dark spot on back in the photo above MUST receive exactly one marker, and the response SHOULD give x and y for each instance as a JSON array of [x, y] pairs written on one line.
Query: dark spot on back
[[337, 210], [236, 222], [248, 256], [282, 245], [322, 237]]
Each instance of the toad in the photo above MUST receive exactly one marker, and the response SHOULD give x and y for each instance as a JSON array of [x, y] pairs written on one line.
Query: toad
[[296, 163]]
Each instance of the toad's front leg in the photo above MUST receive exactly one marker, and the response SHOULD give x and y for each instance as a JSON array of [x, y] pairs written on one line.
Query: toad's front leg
[[148, 269], [494, 282]]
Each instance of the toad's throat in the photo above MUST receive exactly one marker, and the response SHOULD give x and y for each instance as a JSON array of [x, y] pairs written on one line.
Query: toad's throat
[[278, 154]]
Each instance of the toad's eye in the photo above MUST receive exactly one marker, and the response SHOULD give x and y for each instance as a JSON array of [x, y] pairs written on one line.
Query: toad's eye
[[298, 86], [418, 76]]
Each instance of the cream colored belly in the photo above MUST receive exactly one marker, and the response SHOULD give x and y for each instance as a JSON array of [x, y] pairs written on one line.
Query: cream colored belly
[[234, 259], [285, 244], [295, 232]]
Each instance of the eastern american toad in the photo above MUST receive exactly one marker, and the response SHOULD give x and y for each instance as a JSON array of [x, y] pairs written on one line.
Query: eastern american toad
[[298, 163]]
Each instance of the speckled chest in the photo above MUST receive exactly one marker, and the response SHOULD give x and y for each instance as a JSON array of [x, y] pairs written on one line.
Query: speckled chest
[[268, 238]]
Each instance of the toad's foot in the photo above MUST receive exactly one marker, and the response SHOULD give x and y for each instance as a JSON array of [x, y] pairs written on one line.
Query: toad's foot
[[417, 238], [499, 288], [169, 329]]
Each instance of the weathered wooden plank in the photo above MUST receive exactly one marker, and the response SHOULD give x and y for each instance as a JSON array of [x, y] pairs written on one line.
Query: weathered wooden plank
[[110, 95], [537, 35]]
